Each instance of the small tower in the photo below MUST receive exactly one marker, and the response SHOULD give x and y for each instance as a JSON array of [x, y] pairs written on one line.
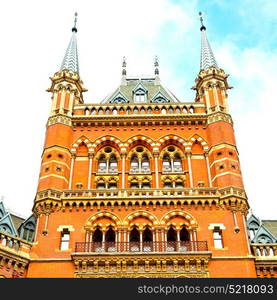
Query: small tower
[[67, 87], [211, 89]]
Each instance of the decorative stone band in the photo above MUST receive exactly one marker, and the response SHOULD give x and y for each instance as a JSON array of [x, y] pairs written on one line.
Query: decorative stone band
[[142, 265], [219, 116]]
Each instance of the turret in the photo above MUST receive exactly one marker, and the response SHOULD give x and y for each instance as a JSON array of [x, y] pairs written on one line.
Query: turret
[[67, 86]]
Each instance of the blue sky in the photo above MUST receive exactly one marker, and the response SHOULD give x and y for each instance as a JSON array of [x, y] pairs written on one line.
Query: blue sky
[[34, 38]]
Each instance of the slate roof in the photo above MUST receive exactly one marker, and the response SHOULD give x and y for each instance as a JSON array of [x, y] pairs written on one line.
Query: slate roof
[[151, 85]]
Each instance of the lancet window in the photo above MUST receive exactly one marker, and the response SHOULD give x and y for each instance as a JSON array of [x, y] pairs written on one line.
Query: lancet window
[[171, 160], [140, 162]]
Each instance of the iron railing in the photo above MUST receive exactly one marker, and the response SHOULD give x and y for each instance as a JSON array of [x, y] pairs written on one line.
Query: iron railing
[[146, 247]]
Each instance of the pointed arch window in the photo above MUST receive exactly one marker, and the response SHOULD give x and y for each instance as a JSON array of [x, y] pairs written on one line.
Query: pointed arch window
[[145, 164], [134, 240], [113, 164], [134, 164], [102, 164], [28, 232], [177, 163], [110, 240], [166, 163]]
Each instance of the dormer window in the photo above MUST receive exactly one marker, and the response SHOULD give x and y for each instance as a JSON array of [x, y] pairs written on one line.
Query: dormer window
[[140, 96], [140, 93]]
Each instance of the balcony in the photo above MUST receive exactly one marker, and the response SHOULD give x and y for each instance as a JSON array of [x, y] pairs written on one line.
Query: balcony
[[143, 247]]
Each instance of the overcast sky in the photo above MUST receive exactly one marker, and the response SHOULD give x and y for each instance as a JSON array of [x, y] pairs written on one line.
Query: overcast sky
[[35, 35]]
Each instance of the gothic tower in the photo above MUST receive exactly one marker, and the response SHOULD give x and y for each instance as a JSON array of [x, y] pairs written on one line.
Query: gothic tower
[[142, 184]]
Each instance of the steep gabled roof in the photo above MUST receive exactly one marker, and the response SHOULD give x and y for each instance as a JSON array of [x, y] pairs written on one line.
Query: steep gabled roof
[[148, 84]]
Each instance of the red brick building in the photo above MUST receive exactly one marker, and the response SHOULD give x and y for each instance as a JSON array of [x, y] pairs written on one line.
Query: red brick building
[[140, 185]]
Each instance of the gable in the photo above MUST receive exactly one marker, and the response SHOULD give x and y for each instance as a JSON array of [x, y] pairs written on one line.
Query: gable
[[7, 226], [159, 98], [263, 236], [119, 98]]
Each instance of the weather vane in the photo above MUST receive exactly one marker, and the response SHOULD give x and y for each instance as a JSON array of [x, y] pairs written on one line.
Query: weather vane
[[201, 15], [75, 22]]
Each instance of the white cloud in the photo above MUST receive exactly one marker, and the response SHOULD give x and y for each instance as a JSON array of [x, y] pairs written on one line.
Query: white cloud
[[253, 105]]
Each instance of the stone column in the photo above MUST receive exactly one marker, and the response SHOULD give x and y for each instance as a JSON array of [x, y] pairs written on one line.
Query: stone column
[[178, 240], [103, 239], [156, 155], [90, 155], [140, 240], [208, 169], [188, 154], [71, 171], [123, 159]]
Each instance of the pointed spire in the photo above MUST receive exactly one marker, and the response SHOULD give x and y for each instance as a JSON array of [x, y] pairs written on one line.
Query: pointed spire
[[207, 56], [124, 65], [70, 61], [156, 65]]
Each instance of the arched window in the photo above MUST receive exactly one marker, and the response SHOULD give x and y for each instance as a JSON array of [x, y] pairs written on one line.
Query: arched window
[[171, 239], [112, 185], [113, 164], [146, 185], [184, 235], [97, 239], [179, 183], [28, 232], [147, 235], [134, 185], [145, 164], [166, 163], [134, 164], [168, 183], [134, 240], [177, 163], [102, 164], [97, 236], [147, 240], [110, 240]]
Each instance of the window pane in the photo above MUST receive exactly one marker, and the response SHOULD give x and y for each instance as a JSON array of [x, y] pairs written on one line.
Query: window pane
[[64, 245], [218, 244]]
